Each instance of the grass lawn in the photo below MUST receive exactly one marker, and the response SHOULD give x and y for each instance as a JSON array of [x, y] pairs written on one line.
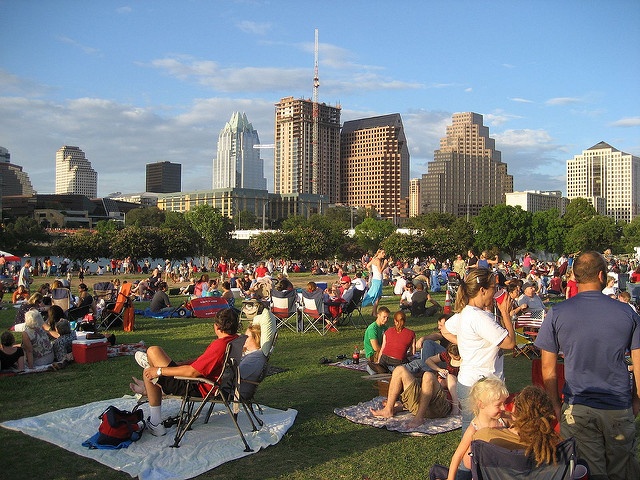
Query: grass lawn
[[320, 445]]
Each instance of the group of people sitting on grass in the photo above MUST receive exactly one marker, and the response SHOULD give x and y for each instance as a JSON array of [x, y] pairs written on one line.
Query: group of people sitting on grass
[[599, 408]]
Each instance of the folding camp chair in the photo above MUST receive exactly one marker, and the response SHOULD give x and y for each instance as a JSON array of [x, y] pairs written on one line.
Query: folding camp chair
[[225, 390], [114, 313], [77, 314], [284, 305], [313, 313], [104, 291], [536, 374], [352, 311], [492, 462], [61, 297], [524, 345]]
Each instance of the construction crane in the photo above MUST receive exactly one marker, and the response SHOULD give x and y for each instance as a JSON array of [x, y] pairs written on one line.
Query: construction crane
[[315, 165]]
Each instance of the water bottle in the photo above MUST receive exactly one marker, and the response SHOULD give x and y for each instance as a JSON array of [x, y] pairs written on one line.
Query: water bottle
[[356, 356]]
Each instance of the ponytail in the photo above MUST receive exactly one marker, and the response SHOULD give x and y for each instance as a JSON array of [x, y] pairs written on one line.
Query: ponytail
[[470, 286]]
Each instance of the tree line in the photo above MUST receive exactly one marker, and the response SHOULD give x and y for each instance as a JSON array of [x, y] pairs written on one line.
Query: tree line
[[205, 232]]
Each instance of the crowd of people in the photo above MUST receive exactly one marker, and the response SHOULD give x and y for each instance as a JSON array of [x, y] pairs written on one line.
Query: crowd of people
[[456, 370]]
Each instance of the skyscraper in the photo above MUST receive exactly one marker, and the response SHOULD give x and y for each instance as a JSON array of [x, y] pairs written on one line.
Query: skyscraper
[[238, 164], [374, 165], [467, 172], [294, 167], [164, 177], [608, 178], [13, 181], [74, 173]]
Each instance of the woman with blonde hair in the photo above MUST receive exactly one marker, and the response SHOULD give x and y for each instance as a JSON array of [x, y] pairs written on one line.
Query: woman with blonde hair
[[377, 265], [480, 336], [35, 341]]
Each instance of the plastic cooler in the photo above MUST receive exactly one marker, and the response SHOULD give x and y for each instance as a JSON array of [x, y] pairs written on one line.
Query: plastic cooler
[[89, 351]]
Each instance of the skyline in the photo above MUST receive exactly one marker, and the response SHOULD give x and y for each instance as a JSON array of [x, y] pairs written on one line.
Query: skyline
[[138, 82]]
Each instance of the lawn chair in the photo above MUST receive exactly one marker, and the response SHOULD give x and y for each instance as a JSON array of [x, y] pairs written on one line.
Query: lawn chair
[[206, 307], [492, 462], [524, 345], [352, 311], [284, 305], [114, 313], [62, 298], [104, 291], [225, 391], [536, 374], [313, 313]]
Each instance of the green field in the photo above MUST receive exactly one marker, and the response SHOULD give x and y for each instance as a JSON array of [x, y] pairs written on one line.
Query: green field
[[320, 445]]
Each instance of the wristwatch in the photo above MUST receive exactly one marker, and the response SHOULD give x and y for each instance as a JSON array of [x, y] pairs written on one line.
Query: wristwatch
[[159, 371]]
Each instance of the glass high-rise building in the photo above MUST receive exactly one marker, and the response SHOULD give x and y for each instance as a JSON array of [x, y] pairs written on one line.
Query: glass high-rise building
[[295, 169], [164, 177], [238, 163], [13, 181], [74, 173], [608, 178], [467, 172], [374, 165]]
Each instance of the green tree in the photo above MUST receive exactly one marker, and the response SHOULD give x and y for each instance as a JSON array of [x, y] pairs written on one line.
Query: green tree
[[547, 232], [145, 217], [108, 227], [578, 212], [246, 220], [271, 244], [502, 226], [405, 246], [133, 242], [430, 221], [81, 246], [370, 233], [597, 233], [22, 234], [213, 228], [631, 235]]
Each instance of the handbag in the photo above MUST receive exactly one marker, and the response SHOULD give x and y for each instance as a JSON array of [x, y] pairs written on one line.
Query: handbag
[[117, 426]]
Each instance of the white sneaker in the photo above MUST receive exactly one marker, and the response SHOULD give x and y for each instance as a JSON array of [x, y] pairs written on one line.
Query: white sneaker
[[156, 430], [141, 358]]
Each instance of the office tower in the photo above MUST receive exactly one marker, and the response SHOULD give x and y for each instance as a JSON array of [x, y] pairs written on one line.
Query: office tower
[[538, 201], [414, 197], [13, 181], [164, 177], [608, 178], [294, 168], [238, 164], [374, 165], [74, 173], [467, 172]]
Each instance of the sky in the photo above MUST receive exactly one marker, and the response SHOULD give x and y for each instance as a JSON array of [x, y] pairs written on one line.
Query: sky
[[137, 82]]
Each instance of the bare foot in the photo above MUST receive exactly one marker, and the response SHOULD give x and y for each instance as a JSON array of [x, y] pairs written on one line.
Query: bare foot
[[415, 423], [383, 412], [137, 386]]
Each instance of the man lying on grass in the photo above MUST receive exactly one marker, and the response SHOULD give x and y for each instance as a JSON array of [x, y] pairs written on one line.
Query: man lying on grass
[[424, 398]]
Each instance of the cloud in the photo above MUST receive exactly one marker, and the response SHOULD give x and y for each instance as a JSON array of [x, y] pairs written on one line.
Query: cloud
[[272, 79], [255, 28], [32, 131], [124, 10], [508, 65], [14, 85], [627, 122], [520, 100], [468, 90], [563, 101], [498, 118], [78, 45]]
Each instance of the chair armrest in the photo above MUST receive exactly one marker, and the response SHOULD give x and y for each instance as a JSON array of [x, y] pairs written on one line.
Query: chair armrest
[[197, 379]]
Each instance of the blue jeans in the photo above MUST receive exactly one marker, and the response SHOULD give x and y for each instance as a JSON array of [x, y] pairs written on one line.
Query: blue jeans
[[429, 349]]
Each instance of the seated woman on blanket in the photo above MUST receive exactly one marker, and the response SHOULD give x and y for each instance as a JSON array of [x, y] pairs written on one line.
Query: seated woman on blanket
[[11, 356], [34, 302], [62, 345], [54, 315], [35, 341], [398, 343]]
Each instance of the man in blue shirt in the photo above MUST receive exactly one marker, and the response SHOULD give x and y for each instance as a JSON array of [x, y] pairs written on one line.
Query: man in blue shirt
[[595, 332]]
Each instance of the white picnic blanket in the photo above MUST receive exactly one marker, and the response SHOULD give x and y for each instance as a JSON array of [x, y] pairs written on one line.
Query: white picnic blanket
[[152, 458]]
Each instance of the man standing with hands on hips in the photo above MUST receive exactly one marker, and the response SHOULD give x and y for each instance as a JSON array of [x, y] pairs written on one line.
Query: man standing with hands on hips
[[594, 333]]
